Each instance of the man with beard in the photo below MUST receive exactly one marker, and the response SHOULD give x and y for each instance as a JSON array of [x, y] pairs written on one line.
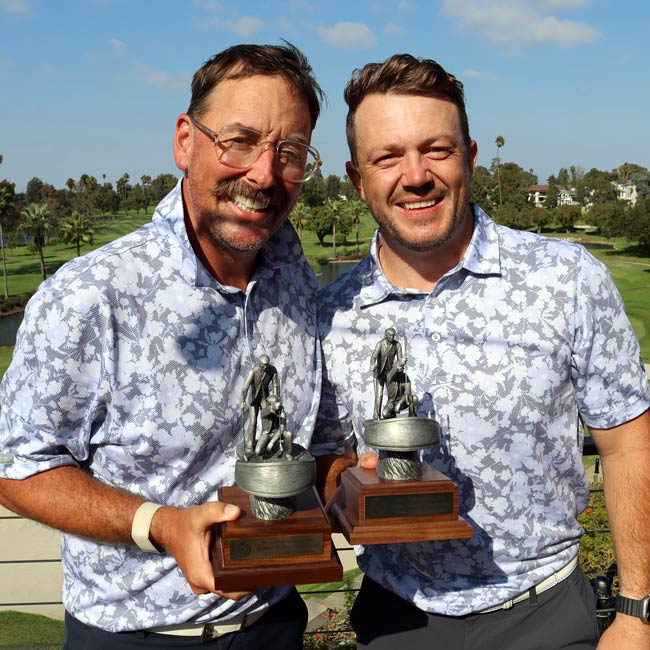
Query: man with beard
[[516, 340], [120, 411]]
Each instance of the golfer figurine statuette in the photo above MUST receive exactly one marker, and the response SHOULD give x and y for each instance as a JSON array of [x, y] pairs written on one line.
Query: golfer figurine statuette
[[282, 535], [402, 500]]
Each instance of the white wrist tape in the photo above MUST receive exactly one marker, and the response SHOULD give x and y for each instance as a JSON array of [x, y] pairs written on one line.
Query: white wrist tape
[[141, 525]]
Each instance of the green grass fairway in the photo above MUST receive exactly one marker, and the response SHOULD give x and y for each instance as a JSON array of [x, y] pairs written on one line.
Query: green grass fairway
[[18, 629]]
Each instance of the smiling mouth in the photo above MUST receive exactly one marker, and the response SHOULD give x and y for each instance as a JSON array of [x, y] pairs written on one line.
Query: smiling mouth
[[417, 205], [250, 204]]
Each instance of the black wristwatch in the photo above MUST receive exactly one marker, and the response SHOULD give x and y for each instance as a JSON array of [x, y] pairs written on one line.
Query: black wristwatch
[[639, 608]]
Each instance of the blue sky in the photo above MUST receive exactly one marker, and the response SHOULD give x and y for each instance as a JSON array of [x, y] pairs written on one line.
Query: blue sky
[[95, 86]]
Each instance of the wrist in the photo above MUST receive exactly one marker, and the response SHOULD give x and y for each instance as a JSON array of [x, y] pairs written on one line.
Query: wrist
[[637, 607], [162, 528], [141, 526]]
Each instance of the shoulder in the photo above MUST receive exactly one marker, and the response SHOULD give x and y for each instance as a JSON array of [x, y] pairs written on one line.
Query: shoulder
[[84, 281]]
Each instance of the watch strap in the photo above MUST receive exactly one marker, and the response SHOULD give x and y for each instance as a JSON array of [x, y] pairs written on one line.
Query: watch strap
[[142, 524], [634, 607]]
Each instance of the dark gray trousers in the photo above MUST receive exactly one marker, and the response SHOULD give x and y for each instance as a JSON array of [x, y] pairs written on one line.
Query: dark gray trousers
[[281, 628], [561, 617]]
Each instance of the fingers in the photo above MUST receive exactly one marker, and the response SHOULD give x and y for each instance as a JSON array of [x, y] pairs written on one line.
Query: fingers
[[187, 534], [368, 460], [232, 595]]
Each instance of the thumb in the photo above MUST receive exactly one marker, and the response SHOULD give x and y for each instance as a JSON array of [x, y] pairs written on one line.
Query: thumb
[[368, 460]]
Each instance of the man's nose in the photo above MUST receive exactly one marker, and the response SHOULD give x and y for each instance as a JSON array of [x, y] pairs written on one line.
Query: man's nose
[[262, 173]]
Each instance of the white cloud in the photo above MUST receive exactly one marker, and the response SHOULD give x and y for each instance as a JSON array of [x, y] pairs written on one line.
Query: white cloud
[[161, 79], [521, 22], [15, 6], [348, 36], [117, 45], [392, 28], [6, 64], [479, 74], [405, 5], [246, 26]]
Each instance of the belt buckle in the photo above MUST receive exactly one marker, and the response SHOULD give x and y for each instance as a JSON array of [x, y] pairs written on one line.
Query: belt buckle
[[209, 633]]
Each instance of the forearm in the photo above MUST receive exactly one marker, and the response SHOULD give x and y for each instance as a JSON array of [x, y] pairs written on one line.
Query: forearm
[[68, 499], [625, 457]]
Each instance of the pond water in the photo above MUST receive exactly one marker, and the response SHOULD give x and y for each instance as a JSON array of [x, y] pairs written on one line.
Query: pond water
[[331, 271], [8, 327]]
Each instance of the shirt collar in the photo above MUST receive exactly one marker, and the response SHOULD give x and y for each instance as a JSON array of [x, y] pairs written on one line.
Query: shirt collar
[[282, 249], [482, 257]]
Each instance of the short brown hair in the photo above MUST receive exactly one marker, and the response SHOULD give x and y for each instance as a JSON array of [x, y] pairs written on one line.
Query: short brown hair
[[247, 60], [403, 74]]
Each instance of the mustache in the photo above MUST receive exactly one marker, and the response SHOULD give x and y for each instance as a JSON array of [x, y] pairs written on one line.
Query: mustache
[[275, 195]]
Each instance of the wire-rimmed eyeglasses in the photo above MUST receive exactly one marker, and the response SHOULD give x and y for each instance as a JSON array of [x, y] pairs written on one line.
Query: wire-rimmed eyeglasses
[[240, 147]]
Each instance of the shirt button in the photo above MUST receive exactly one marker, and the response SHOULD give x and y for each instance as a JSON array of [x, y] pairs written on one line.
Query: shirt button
[[435, 336]]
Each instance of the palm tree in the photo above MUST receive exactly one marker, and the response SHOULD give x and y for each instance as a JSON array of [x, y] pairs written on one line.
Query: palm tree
[[334, 208], [6, 204], [36, 220], [299, 217], [500, 141], [76, 229]]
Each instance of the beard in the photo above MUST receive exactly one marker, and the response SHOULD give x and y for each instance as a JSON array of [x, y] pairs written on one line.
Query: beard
[[228, 235], [417, 235]]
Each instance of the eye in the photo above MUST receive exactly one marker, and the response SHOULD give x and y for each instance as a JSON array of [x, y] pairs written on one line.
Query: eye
[[292, 153], [438, 153], [387, 160], [238, 139]]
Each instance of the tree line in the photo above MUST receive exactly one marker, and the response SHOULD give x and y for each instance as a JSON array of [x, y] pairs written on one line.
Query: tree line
[[70, 213], [329, 205]]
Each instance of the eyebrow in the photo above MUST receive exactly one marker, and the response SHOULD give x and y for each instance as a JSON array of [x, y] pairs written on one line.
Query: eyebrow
[[298, 138]]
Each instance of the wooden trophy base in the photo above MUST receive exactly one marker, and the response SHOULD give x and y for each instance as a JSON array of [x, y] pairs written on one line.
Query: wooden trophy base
[[373, 510], [249, 553]]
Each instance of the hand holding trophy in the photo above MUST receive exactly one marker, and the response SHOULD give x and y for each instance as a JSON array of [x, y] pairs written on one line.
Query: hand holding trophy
[[282, 536], [402, 500]]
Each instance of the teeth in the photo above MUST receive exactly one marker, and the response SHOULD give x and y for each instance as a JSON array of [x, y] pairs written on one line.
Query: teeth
[[419, 204], [250, 204]]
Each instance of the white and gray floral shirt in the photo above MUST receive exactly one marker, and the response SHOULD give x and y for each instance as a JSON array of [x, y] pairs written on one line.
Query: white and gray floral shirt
[[130, 364], [525, 338]]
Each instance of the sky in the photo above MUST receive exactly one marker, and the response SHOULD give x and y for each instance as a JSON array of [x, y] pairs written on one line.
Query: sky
[[95, 86]]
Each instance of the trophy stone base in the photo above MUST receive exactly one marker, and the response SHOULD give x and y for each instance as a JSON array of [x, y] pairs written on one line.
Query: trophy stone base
[[373, 510], [249, 553]]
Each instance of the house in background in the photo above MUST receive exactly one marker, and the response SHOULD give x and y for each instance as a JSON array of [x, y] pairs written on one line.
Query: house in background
[[626, 192], [565, 195]]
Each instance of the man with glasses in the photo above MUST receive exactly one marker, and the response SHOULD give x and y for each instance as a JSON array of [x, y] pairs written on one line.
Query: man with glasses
[[121, 410]]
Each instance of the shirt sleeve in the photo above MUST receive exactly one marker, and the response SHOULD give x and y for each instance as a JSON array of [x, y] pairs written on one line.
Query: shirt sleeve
[[610, 379], [49, 394]]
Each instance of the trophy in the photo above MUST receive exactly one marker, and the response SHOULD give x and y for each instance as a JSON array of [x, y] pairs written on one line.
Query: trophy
[[402, 500], [283, 536]]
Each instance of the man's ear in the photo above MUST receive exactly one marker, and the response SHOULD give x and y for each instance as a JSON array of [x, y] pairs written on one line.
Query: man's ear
[[355, 178], [183, 142], [472, 154]]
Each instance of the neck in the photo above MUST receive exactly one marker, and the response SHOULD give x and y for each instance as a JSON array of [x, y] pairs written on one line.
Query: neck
[[231, 268], [409, 269]]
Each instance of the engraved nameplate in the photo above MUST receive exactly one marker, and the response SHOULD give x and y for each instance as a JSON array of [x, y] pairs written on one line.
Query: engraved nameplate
[[280, 546], [409, 505]]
